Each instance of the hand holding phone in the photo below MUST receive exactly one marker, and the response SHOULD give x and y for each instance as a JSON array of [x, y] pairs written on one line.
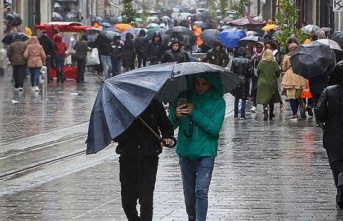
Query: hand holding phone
[[182, 101]]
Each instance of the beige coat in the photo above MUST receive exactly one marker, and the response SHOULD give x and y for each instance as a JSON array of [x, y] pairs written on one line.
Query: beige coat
[[34, 53], [291, 80]]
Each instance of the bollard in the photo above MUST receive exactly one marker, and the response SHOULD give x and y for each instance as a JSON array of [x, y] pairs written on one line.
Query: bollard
[[45, 82]]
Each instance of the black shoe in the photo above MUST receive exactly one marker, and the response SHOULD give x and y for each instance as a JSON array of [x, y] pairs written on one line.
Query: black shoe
[[309, 111], [302, 114], [265, 114]]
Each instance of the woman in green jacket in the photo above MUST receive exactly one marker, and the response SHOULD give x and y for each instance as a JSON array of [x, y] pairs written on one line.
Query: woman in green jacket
[[199, 122], [268, 72]]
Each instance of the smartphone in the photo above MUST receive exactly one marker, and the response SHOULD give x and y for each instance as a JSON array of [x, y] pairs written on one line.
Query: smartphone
[[182, 101]]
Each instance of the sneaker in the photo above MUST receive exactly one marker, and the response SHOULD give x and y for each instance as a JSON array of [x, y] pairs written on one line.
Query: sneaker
[[295, 116], [36, 88], [16, 88], [253, 109], [20, 89], [309, 111]]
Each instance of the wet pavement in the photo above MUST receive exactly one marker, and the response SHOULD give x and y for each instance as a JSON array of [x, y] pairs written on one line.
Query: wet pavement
[[273, 170]]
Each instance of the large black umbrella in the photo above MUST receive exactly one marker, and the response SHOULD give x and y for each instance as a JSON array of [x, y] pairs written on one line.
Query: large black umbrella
[[312, 59], [179, 31], [9, 38], [123, 98], [251, 38], [110, 33], [209, 36]]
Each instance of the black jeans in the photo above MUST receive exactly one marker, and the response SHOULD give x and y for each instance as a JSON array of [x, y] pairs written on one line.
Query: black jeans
[[141, 59], [138, 178], [19, 74], [81, 67]]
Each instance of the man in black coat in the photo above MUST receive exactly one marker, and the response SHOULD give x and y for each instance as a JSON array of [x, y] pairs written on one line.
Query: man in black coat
[[217, 55], [139, 149], [175, 53], [141, 45], [155, 48], [48, 47]]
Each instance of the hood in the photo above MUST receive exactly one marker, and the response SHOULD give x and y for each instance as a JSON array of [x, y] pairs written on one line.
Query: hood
[[129, 36], [156, 33], [33, 40], [142, 32], [213, 78], [58, 38]]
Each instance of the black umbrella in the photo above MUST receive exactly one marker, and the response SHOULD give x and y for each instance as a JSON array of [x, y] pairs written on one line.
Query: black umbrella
[[200, 24], [9, 38], [123, 98], [338, 37], [179, 31], [92, 31], [110, 33], [312, 59], [252, 38], [209, 36]]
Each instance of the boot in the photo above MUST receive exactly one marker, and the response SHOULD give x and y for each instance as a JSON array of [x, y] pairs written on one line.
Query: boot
[[191, 218], [271, 114], [265, 114], [339, 196]]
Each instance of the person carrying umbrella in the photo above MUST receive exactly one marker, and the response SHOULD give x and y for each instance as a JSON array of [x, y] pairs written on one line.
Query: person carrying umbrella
[[199, 122], [217, 55], [139, 149], [329, 111]]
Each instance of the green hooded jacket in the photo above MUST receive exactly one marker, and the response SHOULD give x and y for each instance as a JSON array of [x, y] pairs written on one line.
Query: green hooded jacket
[[207, 117]]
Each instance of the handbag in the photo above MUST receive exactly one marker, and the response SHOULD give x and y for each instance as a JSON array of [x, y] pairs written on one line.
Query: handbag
[[92, 57]]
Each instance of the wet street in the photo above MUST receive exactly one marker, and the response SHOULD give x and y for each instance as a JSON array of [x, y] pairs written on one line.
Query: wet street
[[265, 170]]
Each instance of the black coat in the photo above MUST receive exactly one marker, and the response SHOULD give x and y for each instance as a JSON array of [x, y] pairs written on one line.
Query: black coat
[[242, 68], [155, 51], [178, 56], [47, 45], [329, 109], [138, 139], [220, 58], [141, 45]]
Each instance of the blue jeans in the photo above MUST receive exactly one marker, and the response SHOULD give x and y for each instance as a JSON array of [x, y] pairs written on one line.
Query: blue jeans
[[196, 178], [242, 107], [35, 72], [107, 65], [116, 66]]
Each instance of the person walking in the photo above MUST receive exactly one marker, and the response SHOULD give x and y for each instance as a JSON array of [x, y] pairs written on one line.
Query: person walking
[[81, 49], [268, 72], [199, 122], [217, 55], [60, 56], [129, 53], [15, 53], [241, 66], [116, 53], [36, 58], [48, 47], [329, 111], [141, 45], [292, 83], [155, 49], [139, 149], [175, 53], [103, 44], [258, 50]]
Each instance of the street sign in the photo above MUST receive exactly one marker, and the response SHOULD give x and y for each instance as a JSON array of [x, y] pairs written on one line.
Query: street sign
[[337, 5]]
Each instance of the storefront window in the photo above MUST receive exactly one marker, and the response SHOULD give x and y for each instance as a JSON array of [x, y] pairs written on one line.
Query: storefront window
[[66, 10]]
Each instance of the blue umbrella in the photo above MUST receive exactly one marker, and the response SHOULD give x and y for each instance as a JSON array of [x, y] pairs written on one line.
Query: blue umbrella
[[231, 37]]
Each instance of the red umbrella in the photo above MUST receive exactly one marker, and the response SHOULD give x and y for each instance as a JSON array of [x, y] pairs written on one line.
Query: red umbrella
[[246, 21]]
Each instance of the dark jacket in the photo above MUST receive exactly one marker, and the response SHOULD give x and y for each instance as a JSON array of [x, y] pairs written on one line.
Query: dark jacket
[[141, 44], [138, 139], [103, 44], [155, 50], [242, 68], [117, 50], [129, 48], [178, 56], [81, 48], [47, 44], [329, 110], [220, 58], [318, 84], [15, 53]]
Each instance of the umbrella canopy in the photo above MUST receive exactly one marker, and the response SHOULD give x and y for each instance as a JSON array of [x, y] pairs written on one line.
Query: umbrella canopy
[[244, 41], [331, 43], [200, 24], [9, 38], [269, 27], [123, 98], [324, 29], [231, 37], [153, 25], [309, 28], [111, 34], [312, 59], [338, 37], [123, 27], [209, 36], [179, 31], [92, 31], [246, 21]]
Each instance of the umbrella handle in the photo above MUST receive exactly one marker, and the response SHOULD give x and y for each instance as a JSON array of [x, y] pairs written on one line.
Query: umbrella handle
[[190, 130], [170, 146]]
